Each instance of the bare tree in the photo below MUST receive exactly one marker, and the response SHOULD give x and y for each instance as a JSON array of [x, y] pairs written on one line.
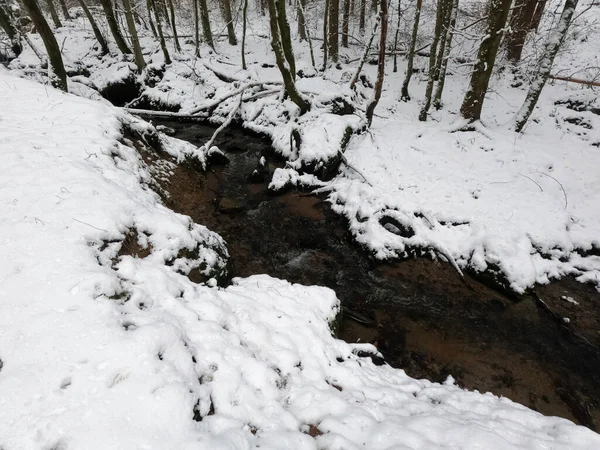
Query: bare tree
[[276, 8], [383, 18], [56, 69], [520, 24], [555, 40], [95, 29], [345, 23], [301, 20], [7, 24], [333, 30], [362, 16], [53, 14], [163, 44], [226, 9], [174, 25], [64, 9], [114, 26], [325, 33], [396, 36], [437, 99], [411, 53], [206, 31], [486, 58], [244, 19], [137, 49]]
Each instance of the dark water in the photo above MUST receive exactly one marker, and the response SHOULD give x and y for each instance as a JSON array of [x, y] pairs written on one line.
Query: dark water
[[419, 313]]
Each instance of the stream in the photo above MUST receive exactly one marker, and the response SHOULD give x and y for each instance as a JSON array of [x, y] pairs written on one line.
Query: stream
[[419, 313]]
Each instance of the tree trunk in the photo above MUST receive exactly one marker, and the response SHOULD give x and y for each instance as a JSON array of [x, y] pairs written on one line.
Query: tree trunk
[[305, 28], [163, 44], [396, 37], [333, 31], [6, 23], [65, 10], [56, 69], [365, 54], [276, 44], [374, 4], [285, 35], [244, 18], [325, 33], [226, 8], [301, 20], [54, 14], [95, 29], [114, 26], [411, 53], [345, 23], [150, 20], [363, 13], [197, 30], [447, 15], [520, 24], [206, 31], [135, 42], [383, 17], [537, 15], [555, 40], [437, 100], [486, 57], [174, 26], [439, 19]]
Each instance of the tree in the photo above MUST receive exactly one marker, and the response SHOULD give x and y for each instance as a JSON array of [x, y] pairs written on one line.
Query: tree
[[333, 30], [520, 24], [64, 9], [383, 18], [437, 99], [345, 23], [7, 24], [206, 31], [486, 58], [54, 14], [163, 44], [363, 13], [276, 8], [114, 26], [95, 29], [137, 49], [555, 40], [301, 20], [226, 9], [411, 53], [244, 19], [174, 25], [57, 73]]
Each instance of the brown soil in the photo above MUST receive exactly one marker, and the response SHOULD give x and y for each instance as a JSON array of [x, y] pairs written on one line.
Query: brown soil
[[420, 314]]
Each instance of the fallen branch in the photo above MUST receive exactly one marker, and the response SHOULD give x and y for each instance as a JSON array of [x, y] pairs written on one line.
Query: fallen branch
[[575, 80], [212, 105], [224, 125]]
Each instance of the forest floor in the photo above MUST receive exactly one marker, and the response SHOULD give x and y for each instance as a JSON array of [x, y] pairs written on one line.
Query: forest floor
[[107, 327]]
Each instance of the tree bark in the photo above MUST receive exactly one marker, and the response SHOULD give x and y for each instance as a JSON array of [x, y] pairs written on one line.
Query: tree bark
[[163, 44], [114, 26], [7, 24], [537, 15], [54, 14], [411, 53], [362, 16], [135, 42], [555, 40], [325, 34], [197, 30], [396, 36], [285, 35], [520, 25], [56, 69], [65, 10], [95, 29], [305, 28], [439, 19], [437, 100], [333, 30], [276, 44], [365, 54], [301, 20], [345, 23], [150, 20], [486, 57], [206, 31], [226, 8], [383, 18], [374, 4], [174, 26], [244, 18]]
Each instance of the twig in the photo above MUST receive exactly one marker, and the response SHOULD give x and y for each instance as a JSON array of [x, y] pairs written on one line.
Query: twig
[[85, 223], [230, 117], [533, 181], [561, 187]]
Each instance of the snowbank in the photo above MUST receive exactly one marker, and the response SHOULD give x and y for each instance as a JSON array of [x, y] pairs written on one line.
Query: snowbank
[[108, 351]]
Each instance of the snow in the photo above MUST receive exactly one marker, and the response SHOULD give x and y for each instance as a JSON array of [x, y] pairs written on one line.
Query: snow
[[101, 351]]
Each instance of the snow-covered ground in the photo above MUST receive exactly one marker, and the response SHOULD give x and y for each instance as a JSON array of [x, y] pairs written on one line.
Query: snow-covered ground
[[111, 352]]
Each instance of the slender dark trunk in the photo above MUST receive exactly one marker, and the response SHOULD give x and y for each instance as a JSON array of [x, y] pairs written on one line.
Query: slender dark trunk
[[333, 30], [276, 44], [520, 25], [362, 16], [226, 8], [244, 19], [206, 31], [95, 29], [555, 40], [437, 99], [365, 54], [537, 15], [325, 34], [396, 37], [374, 4], [114, 26], [54, 14], [345, 23], [56, 69], [174, 26], [7, 24], [65, 10], [301, 20], [163, 43], [486, 58], [439, 19], [383, 17], [411, 53], [197, 30], [285, 35], [307, 31], [447, 16], [135, 42]]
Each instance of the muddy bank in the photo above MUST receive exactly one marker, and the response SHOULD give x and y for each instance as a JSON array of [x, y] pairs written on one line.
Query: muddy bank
[[419, 313]]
